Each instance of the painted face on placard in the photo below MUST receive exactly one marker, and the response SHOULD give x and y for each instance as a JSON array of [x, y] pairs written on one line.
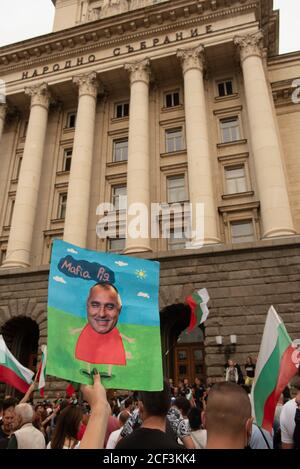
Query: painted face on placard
[[103, 308]]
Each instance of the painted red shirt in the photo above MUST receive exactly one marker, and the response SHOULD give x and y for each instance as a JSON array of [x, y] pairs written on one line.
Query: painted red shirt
[[102, 349]]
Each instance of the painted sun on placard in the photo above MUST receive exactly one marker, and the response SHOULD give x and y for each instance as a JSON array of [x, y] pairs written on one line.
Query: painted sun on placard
[[141, 274]]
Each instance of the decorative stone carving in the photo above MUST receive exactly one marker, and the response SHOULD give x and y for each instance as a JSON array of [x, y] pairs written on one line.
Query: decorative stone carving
[[139, 71], [114, 7], [40, 95], [88, 84], [250, 44], [192, 58]]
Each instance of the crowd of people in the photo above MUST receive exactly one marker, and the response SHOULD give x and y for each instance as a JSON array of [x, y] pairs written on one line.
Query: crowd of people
[[182, 415]]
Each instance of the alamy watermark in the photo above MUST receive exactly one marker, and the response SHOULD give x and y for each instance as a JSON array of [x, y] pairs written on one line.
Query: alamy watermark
[[177, 221], [2, 92], [296, 92]]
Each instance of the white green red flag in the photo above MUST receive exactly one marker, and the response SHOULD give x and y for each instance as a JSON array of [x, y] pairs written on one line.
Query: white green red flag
[[197, 302], [11, 371], [41, 374], [277, 363]]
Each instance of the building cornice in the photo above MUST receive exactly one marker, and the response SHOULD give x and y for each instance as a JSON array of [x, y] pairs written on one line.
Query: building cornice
[[161, 18]]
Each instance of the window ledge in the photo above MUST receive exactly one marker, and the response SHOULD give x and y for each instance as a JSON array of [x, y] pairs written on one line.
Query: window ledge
[[227, 97], [119, 119], [6, 228], [67, 130], [237, 195], [229, 144], [116, 163], [173, 153], [57, 220], [62, 173], [172, 108], [14, 181]]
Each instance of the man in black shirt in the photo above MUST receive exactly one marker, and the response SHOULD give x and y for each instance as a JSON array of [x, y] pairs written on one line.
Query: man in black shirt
[[155, 432]]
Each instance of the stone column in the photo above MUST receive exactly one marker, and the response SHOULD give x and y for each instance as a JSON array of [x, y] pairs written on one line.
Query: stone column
[[274, 202], [21, 230], [138, 172], [197, 142], [77, 210], [3, 109]]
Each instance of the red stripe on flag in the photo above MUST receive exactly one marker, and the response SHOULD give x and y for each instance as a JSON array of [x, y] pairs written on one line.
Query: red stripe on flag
[[193, 319], [70, 390], [39, 372], [287, 370], [8, 376]]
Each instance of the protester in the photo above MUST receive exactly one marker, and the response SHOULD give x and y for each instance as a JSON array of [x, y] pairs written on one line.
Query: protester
[[95, 395], [198, 433], [198, 391], [250, 371], [184, 430], [260, 438], [153, 432], [8, 421], [288, 414], [227, 417], [27, 436], [114, 436], [231, 372], [66, 430]]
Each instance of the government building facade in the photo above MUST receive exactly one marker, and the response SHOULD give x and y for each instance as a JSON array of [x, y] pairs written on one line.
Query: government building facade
[[170, 101]]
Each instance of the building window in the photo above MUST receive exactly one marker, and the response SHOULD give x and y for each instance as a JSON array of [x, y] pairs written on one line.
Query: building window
[[174, 140], [121, 110], [2, 255], [120, 150], [71, 120], [242, 231], [62, 205], [18, 169], [176, 189], [25, 127], [235, 177], [11, 211], [116, 244], [67, 159], [117, 192], [225, 88], [176, 239], [230, 130], [172, 99]]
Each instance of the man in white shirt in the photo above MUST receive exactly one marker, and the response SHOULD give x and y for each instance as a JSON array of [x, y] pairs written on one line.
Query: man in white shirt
[[287, 416], [114, 436]]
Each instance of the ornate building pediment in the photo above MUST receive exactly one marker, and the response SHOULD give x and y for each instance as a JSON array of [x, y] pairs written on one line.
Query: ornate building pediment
[[105, 8]]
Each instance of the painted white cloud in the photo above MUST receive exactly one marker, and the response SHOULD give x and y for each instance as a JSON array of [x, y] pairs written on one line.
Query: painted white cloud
[[144, 295], [59, 279], [121, 263], [72, 251]]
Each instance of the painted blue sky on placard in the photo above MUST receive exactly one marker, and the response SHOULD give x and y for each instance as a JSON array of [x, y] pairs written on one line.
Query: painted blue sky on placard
[[137, 281]]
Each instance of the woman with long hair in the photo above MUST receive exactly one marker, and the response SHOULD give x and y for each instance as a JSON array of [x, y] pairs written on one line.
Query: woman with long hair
[[66, 430]]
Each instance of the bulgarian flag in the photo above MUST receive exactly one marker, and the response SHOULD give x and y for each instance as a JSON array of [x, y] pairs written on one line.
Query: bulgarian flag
[[70, 389], [277, 363], [197, 302], [11, 371], [41, 374]]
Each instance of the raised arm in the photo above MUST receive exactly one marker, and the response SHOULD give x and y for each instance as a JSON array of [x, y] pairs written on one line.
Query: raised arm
[[95, 395], [26, 396]]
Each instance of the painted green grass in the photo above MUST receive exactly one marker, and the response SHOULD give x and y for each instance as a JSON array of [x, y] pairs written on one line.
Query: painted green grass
[[142, 372]]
